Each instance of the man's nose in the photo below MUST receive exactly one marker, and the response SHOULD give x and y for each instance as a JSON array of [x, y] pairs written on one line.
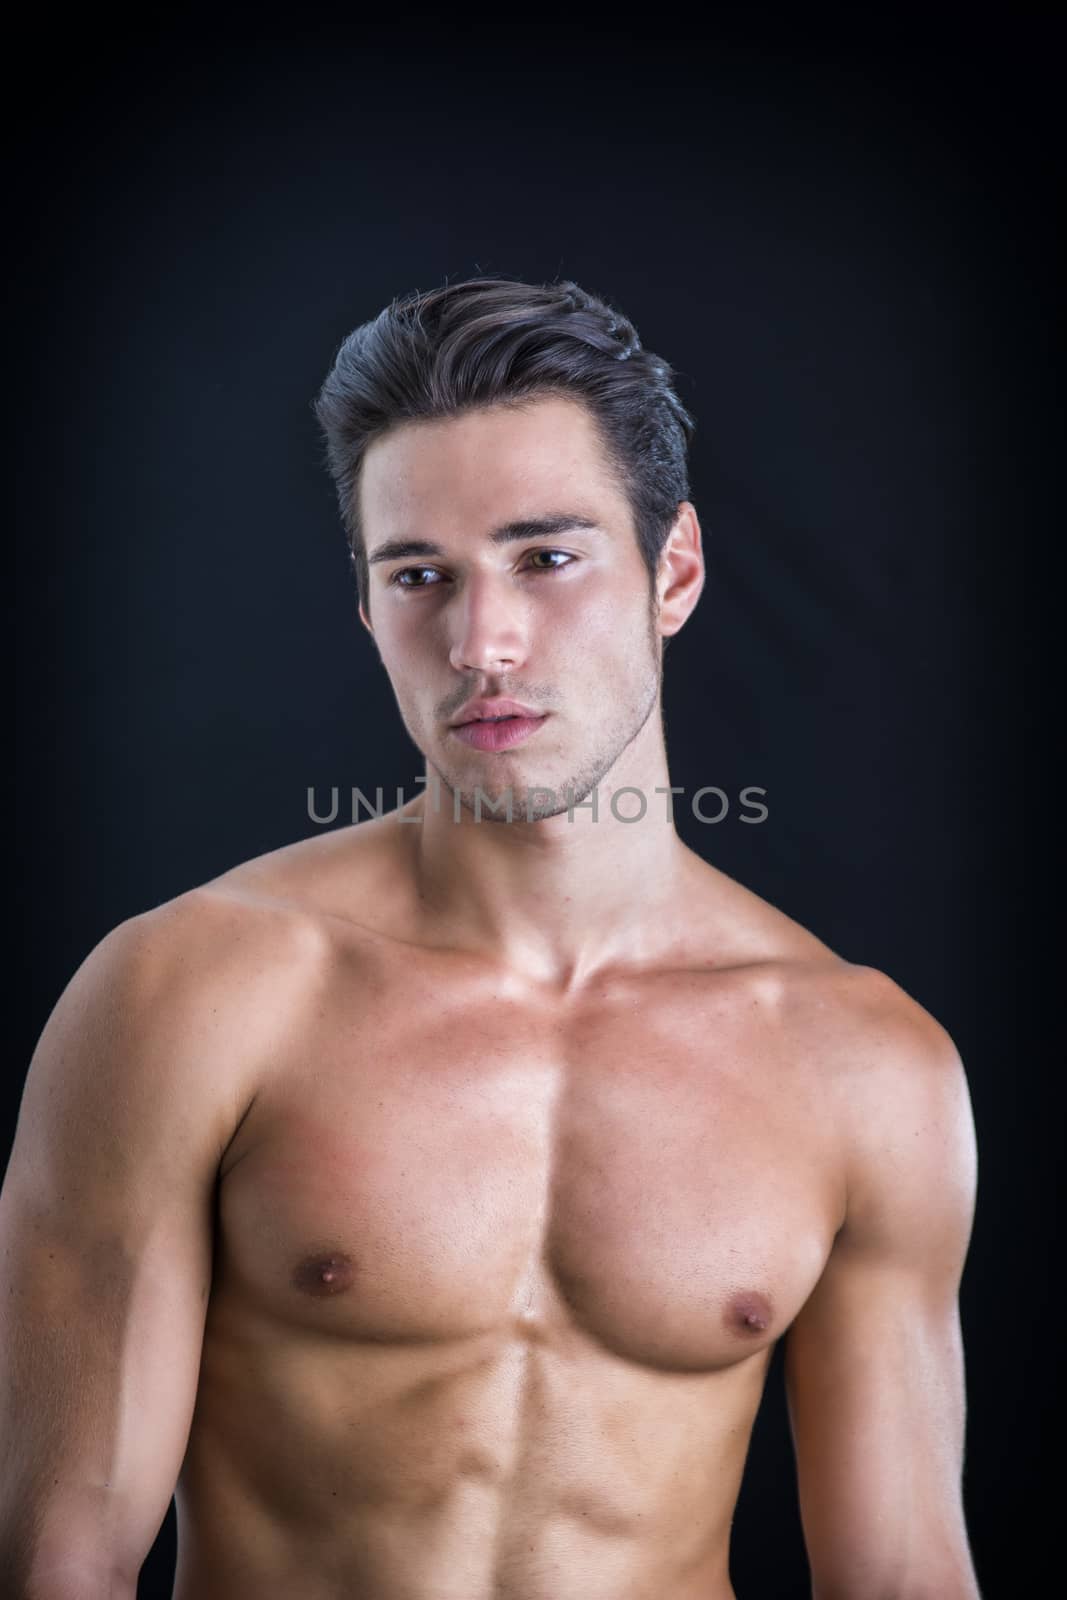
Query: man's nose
[[489, 627]]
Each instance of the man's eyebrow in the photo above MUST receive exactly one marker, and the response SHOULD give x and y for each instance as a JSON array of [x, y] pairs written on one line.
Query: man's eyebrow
[[549, 527]]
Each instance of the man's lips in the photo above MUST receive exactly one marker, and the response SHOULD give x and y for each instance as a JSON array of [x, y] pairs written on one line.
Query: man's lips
[[498, 733], [493, 707]]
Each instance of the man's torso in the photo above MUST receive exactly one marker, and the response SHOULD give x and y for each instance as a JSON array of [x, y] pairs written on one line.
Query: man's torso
[[498, 1273]]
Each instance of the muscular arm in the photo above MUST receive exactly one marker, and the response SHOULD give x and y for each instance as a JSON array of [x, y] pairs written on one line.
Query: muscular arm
[[874, 1362], [106, 1255]]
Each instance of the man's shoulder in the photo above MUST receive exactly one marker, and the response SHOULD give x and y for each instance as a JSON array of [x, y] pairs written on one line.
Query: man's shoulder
[[854, 1008], [283, 898], [211, 934], [242, 945], [863, 1021], [897, 1090], [889, 1087], [192, 987], [349, 876], [883, 1070], [191, 1000], [897, 1032], [175, 1012]]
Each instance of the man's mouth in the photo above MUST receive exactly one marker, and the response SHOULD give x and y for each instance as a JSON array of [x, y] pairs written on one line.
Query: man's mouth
[[497, 733]]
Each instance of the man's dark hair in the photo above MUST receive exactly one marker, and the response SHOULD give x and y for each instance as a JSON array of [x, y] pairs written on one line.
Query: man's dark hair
[[498, 341]]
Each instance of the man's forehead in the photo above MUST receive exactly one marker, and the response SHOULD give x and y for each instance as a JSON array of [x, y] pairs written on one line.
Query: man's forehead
[[490, 469]]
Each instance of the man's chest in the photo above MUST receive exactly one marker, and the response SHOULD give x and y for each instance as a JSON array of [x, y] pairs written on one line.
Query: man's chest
[[648, 1174]]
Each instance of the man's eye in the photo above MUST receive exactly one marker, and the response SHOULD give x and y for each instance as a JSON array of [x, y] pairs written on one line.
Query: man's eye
[[555, 568], [408, 577], [406, 572]]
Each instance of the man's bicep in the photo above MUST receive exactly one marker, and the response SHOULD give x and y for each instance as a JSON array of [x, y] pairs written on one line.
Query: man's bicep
[[105, 1238], [874, 1362]]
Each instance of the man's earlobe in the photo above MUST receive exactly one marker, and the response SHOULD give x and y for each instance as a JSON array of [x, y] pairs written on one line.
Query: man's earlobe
[[365, 620]]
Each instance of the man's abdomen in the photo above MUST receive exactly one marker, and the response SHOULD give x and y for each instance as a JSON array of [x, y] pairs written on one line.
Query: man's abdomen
[[485, 1469]]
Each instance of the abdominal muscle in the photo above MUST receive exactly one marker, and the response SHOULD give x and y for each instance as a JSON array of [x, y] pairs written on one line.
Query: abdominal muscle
[[526, 1463]]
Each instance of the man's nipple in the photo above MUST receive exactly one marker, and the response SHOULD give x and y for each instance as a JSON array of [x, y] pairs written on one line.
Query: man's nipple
[[324, 1274], [749, 1313]]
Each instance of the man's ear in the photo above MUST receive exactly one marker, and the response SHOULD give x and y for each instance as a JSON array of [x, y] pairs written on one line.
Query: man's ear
[[365, 620], [680, 577]]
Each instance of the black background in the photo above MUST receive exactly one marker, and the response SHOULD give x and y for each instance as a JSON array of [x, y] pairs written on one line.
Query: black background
[[840, 238]]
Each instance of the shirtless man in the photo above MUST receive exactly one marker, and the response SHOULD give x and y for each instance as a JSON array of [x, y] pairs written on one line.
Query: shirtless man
[[422, 1202]]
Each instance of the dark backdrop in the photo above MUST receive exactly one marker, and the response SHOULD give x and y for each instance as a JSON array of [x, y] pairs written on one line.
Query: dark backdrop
[[840, 240]]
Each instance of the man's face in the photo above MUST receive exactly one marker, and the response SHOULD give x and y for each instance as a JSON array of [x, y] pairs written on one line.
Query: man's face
[[561, 621]]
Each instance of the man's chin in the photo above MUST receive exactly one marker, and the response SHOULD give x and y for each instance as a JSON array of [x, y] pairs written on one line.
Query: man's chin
[[517, 802], [497, 800]]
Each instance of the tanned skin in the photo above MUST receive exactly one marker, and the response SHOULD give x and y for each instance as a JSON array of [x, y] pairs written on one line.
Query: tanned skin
[[422, 1202]]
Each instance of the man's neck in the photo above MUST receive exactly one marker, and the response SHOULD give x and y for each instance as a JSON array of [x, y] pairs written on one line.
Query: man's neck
[[560, 899]]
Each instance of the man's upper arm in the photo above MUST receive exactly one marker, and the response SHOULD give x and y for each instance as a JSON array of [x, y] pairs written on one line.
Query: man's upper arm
[[874, 1361], [106, 1250]]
